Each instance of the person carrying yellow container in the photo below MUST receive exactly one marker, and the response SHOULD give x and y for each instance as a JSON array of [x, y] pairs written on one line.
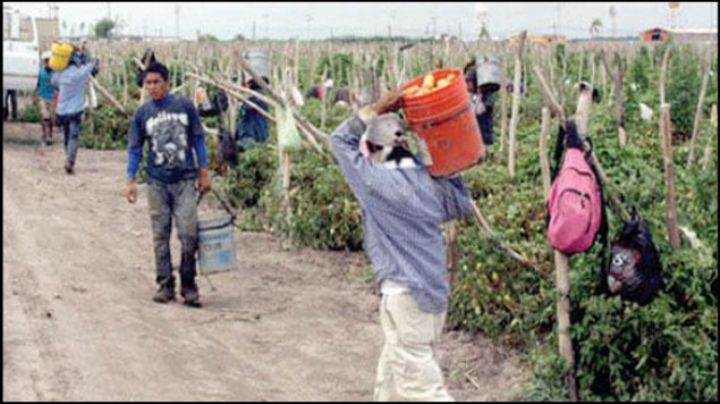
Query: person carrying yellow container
[[71, 84]]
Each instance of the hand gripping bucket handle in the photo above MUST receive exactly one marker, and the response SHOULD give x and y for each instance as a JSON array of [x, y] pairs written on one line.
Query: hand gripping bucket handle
[[233, 216]]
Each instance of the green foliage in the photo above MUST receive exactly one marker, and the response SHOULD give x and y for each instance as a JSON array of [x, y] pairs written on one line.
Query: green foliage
[[683, 86], [30, 113], [325, 214], [111, 128], [104, 27], [664, 351], [243, 184], [207, 38], [338, 66]]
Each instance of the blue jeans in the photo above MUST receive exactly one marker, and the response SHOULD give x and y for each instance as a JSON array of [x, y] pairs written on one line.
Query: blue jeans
[[179, 201], [71, 131]]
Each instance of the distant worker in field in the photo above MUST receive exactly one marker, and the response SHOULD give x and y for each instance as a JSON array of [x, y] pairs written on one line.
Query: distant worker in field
[[403, 209], [252, 128], [71, 84], [10, 101], [44, 95], [147, 59], [482, 89], [177, 157]]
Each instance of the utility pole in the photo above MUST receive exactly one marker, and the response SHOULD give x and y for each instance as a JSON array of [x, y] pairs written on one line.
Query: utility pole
[[308, 20], [177, 20], [392, 18], [267, 26], [434, 22]]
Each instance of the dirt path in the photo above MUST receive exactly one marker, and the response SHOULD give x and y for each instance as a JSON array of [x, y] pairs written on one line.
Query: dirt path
[[79, 323]]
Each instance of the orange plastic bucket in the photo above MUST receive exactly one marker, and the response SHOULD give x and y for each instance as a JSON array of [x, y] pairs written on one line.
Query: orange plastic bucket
[[445, 121]]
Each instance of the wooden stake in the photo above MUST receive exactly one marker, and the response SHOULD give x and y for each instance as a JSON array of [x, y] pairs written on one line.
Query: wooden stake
[[452, 252], [125, 85], [666, 140], [619, 107], [516, 104], [712, 140], [503, 104], [671, 209], [107, 95], [563, 316], [544, 163], [698, 114]]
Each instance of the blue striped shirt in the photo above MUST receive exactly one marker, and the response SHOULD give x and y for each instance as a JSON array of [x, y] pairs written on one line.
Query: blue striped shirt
[[403, 210], [71, 82]]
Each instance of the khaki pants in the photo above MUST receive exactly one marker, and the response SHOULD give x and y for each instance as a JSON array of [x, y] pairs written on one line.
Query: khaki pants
[[408, 369], [47, 109]]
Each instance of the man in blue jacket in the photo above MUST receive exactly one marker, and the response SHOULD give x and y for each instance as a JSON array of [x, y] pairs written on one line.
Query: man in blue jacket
[[403, 209], [71, 83], [252, 129], [176, 158]]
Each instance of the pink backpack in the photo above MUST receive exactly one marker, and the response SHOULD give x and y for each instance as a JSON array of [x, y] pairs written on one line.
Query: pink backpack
[[574, 205]]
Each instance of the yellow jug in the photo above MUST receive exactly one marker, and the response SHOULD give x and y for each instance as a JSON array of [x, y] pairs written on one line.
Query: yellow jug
[[61, 52]]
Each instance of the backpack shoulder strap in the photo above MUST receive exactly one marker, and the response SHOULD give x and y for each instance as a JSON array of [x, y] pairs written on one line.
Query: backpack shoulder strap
[[557, 155]]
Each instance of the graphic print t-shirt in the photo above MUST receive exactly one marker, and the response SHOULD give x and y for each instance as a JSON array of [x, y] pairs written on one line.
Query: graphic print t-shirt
[[171, 127]]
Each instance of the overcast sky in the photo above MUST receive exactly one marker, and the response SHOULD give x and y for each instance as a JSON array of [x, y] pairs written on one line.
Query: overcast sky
[[317, 20]]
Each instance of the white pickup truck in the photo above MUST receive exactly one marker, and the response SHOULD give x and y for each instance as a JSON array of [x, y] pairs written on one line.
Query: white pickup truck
[[21, 57]]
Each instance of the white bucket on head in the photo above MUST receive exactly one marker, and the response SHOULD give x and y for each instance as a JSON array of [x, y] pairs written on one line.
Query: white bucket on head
[[259, 60], [216, 246], [488, 71]]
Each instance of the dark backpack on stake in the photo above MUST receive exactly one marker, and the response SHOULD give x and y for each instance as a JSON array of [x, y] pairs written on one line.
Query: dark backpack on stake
[[635, 271]]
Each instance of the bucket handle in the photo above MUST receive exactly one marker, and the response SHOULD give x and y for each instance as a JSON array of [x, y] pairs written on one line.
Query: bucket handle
[[222, 201]]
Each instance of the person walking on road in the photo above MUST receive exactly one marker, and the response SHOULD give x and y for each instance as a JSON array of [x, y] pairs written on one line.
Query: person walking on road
[[45, 95], [403, 209], [71, 84], [177, 157]]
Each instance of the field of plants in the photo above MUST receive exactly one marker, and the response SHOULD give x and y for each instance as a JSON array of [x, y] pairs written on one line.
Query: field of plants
[[666, 350]]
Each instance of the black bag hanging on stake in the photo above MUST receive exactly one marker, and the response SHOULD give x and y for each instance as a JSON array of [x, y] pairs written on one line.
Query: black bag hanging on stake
[[635, 271]]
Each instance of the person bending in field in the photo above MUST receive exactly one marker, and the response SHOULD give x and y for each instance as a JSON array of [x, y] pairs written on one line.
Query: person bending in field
[[403, 209], [176, 158]]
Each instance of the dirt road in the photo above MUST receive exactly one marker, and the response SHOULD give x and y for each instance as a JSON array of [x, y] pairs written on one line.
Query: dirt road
[[79, 323]]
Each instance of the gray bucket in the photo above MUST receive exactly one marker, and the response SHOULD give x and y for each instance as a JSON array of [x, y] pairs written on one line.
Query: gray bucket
[[216, 247], [259, 60], [488, 72]]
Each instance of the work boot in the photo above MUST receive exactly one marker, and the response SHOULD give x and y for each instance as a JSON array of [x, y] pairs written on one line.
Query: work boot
[[164, 294], [49, 140], [44, 126], [69, 168], [191, 295]]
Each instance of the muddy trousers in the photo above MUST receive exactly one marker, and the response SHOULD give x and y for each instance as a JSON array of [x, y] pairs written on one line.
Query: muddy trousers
[[178, 201], [71, 133], [408, 369]]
